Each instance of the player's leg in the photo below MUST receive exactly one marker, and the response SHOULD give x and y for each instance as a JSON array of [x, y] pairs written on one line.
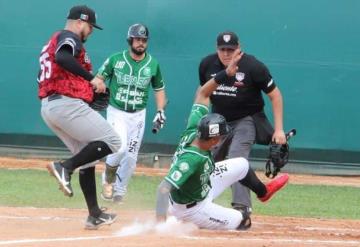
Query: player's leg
[[117, 120], [226, 173], [235, 170], [208, 215], [136, 127], [77, 120], [243, 138]]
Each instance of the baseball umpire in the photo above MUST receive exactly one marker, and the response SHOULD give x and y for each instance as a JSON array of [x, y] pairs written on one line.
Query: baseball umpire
[[66, 90], [239, 99], [195, 180]]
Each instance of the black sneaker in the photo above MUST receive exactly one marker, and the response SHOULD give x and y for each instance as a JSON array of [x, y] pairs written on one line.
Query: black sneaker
[[63, 176], [93, 223]]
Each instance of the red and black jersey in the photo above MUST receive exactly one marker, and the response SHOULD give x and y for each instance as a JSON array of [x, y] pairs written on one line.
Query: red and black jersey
[[240, 95], [53, 78]]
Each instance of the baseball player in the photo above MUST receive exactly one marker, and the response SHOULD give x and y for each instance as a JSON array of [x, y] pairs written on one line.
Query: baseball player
[[66, 89], [130, 73], [195, 180]]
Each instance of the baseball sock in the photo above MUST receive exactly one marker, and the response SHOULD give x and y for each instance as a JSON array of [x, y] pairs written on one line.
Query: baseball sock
[[253, 183], [91, 152], [88, 187]]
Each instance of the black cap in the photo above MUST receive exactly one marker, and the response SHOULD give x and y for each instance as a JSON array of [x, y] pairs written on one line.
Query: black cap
[[227, 40], [84, 13]]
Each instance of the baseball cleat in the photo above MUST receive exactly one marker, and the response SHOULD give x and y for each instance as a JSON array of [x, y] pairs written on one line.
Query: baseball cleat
[[107, 192], [93, 223], [275, 185], [62, 176]]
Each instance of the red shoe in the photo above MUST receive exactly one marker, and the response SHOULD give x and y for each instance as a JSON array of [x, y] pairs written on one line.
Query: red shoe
[[275, 185]]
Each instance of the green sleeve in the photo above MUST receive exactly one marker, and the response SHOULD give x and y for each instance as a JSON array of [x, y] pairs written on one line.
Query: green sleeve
[[157, 81], [197, 112], [106, 70], [180, 172]]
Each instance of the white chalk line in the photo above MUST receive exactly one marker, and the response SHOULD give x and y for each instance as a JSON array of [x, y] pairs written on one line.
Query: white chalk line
[[308, 228], [279, 240]]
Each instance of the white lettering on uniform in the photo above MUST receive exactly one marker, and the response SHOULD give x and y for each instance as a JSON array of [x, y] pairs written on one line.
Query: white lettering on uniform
[[270, 83]]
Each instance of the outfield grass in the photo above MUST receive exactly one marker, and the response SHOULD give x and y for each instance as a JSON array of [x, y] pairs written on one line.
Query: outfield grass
[[37, 189]]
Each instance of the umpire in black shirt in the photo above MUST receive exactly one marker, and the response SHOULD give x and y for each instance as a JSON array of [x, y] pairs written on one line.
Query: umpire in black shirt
[[239, 100]]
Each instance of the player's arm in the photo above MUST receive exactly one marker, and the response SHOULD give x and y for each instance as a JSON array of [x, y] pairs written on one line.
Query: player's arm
[[277, 107], [162, 200], [203, 94], [64, 58], [158, 85]]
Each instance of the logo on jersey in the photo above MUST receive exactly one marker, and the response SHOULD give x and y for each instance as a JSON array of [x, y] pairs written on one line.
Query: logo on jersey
[[176, 175], [239, 76], [147, 71], [227, 37], [87, 58], [214, 130], [184, 167], [206, 167], [119, 64]]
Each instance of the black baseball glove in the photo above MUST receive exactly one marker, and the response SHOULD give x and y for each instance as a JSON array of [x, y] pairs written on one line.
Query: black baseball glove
[[278, 158], [100, 101]]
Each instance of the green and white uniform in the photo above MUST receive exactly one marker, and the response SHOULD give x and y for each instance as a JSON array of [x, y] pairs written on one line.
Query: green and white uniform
[[129, 82], [191, 167], [197, 181]]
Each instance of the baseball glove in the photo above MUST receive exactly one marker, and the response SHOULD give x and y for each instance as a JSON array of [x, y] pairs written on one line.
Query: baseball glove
[[100, 101], [278, 158]]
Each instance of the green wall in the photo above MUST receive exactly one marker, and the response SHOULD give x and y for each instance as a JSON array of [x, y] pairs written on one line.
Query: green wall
[[311, 48]]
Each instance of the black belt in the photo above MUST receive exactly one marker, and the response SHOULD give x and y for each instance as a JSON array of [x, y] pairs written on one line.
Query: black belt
[[190, 205], [54, 97], [131, 110]]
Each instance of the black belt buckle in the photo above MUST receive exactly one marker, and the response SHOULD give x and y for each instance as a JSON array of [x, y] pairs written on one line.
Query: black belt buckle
[[54, 97], [190, 205]]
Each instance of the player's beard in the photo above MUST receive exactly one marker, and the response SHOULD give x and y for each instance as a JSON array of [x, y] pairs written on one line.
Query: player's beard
[[138, 52]]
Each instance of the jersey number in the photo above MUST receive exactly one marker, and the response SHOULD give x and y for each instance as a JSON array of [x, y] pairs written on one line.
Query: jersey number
[[45, 67]]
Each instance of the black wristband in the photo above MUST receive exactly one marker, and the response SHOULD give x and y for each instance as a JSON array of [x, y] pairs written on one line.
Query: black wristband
[[221, 76]]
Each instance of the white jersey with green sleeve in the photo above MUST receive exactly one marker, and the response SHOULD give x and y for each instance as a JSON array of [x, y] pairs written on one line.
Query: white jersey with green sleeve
[[191, 167], [130, 80]]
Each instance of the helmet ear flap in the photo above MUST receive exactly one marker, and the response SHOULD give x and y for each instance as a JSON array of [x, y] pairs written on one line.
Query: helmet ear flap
[[129, 40]]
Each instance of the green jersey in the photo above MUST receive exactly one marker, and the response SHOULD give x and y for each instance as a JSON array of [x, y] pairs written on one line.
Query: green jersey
[[130, 80], [191, 167]]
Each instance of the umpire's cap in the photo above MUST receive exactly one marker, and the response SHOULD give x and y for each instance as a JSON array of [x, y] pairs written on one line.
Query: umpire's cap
[[212, 125], [84, 13], [227, 40]]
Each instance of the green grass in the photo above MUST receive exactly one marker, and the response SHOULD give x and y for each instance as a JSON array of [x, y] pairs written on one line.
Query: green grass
[[37, 189]]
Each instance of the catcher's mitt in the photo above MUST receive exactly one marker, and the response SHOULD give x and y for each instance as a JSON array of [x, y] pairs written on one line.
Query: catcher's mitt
[[278, 156], [100, 101]]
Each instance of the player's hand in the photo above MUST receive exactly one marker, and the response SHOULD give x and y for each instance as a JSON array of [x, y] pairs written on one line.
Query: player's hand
[[279, 137], [160, 118], [232, 67], [98, 85]]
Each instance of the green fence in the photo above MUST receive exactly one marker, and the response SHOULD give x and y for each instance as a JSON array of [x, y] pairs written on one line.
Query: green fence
[[311, 48]]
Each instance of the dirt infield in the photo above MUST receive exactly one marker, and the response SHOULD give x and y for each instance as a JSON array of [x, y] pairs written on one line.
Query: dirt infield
[[64, 227]]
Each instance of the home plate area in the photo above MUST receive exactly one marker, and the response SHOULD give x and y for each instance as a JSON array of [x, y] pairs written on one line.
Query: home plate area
[[64, 227]]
